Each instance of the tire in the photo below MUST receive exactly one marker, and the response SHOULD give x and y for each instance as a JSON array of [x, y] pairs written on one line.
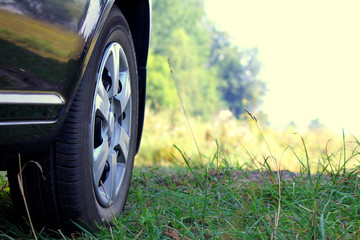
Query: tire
[[88, 169]]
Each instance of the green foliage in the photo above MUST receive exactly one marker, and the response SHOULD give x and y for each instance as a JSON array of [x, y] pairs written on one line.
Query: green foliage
[[210, 73], [179, 34], [172, 15], [196, 84], [240, 87], [161, 92]]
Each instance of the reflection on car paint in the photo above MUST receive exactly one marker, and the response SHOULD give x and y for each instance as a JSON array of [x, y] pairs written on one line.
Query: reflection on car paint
[[41, 50], [42, 47], [91, 19]]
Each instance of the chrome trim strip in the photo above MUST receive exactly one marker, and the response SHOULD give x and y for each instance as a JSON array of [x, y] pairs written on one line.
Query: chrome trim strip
[[48, 98], [9, 123]]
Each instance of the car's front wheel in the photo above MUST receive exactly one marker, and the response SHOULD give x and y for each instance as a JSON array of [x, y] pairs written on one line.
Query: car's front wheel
[[87, 171]]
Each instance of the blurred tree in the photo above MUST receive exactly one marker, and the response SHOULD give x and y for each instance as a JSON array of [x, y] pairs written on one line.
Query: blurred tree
[[209, 70], [197, 85], [161, 92], [238, 71], [315, 124], [170, 15], [180, 34], [291, 126]]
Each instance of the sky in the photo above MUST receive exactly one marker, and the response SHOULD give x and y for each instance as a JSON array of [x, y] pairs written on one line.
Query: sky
[[310, 52]]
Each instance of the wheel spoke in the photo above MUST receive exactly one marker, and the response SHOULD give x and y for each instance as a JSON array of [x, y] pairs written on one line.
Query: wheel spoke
[[120, 174], [124, 77], [124, 95], [100, 155], [112, 159], [102, 106], [124, 143], [112, 65]]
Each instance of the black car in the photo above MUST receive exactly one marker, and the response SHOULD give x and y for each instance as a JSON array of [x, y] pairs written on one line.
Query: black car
[[72, 95]]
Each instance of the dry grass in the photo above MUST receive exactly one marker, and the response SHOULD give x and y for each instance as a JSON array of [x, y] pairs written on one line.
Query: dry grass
[[241, 141]]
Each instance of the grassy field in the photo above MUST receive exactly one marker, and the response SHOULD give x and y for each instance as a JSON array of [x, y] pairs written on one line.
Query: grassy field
[[238, 190], [244, 142]]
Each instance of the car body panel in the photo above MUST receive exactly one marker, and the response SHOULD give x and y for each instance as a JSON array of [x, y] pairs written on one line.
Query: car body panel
[[45, 47]]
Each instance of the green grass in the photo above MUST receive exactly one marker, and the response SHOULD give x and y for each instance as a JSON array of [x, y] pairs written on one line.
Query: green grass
[[219, 201], [241, 189]]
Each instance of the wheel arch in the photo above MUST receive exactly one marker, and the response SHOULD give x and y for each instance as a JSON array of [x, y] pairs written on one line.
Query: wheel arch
[[138, 16]]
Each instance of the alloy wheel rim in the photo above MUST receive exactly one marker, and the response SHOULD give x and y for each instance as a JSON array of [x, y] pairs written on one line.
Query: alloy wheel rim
[[111, 124]]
